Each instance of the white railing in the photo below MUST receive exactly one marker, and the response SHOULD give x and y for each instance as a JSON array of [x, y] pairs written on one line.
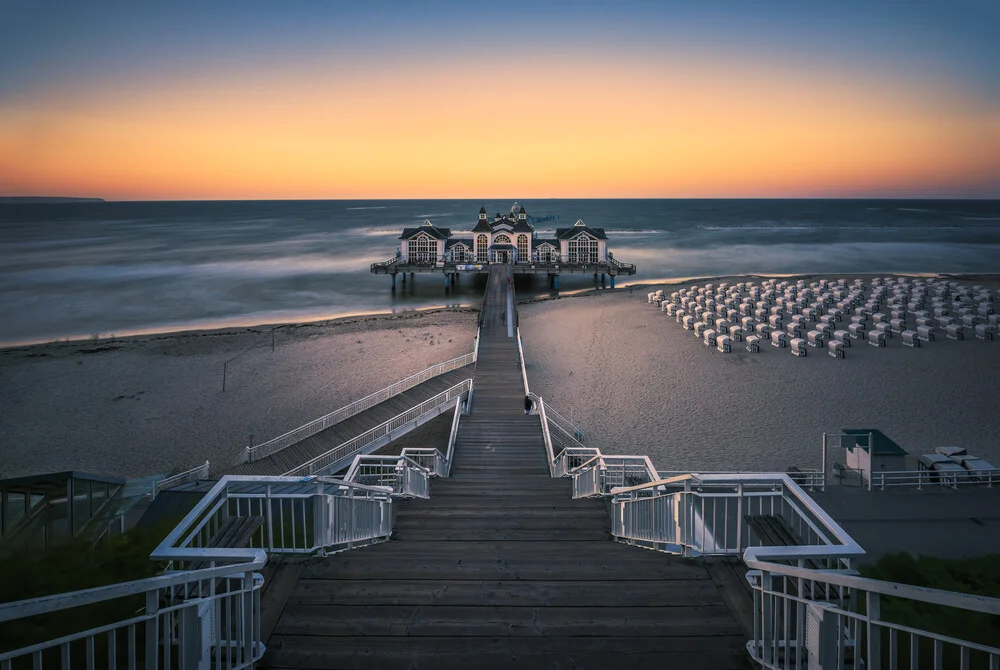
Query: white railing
[[520, 357], [807, 618], [452, 436], [205, 610], [921, 478], [192, 475], [384, 430], [402, 474], [265, 449]]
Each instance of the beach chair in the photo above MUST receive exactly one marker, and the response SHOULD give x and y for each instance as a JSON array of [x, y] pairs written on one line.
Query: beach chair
[[897, 325], [668, 307], [688, 322], [984, 331], [884, 328], [836, 348], [779, 339], [798, 346], [954, 331], [876, 338], [736, 332], [794, 330], [680, 314], [879, 317], [827, 320], [699, 329], [910, 338], [722, 326], [842, 336], [753, 344], [815, 338], [723, 344], [762, 329], [710, 336]]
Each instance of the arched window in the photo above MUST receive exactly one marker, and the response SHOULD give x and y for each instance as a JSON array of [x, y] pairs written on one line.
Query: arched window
[[545, 254], [482, 249], [501, 239], [523, 249], [583, 249], [422, 249]]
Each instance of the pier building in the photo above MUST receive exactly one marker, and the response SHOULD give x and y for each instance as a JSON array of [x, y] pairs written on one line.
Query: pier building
[[506, 239]]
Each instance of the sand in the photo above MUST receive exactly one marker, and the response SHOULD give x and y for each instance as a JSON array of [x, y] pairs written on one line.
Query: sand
[[636, 382], [630, 376], [138, 406]]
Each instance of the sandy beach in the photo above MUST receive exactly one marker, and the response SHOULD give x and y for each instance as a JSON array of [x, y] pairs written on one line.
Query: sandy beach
[[630, 376], [636, 382], [145, 405]]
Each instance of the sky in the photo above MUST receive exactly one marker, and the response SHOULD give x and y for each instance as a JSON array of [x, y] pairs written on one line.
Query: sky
[[313, 100]]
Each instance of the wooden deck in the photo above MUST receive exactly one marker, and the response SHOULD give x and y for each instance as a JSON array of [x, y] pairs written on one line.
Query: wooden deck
[[500, 568], [322, 442]]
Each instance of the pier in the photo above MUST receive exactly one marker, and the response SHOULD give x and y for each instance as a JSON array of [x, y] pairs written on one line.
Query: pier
[[500, 566]]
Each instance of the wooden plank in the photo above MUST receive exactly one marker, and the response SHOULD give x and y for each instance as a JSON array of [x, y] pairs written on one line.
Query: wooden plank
[[277, 591], [580, 653], [736, 597], [638, 593]]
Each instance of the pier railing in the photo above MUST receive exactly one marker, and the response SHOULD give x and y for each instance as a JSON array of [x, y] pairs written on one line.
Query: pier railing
[[204, 610], [384, 431], [192, 475], [932, 478], [265, 449]]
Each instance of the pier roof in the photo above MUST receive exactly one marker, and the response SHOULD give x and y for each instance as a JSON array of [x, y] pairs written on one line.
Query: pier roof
[[429, 228], [580, 227]]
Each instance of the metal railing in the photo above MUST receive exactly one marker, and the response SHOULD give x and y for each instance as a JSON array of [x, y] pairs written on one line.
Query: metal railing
[[921, 478], [265, 449], [402, 474], [520, 357], [384, 430], [192, 475], [204, 611], [384, 265]]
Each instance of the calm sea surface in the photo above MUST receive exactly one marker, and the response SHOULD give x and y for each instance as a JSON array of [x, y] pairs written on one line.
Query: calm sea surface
[[70, 270]]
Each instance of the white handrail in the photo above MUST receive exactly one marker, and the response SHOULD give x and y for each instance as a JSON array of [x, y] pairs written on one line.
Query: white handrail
[[520, 356], [452, 436], [192, 475], [265, 449], [353, 445]]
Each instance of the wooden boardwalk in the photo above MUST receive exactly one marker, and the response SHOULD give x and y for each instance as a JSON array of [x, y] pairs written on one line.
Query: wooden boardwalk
[[501, 568], [322, 442]]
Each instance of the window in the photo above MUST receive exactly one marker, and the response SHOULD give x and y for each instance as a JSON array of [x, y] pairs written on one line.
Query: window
[[583, 249], [545, 254], [422, 249], [459, 253], [501, 239], [482, 245], [523, 249]]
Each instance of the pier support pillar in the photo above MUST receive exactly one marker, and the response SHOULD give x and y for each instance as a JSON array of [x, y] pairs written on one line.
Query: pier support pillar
[[612, 281], [555, 282], [602, 277], [447, 279], [393, 282], [404, 277]]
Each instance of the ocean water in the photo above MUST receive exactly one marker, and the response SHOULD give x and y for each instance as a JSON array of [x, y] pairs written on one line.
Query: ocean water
[[75, 270]]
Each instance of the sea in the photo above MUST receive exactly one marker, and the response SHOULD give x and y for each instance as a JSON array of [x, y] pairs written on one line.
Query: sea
[[79, 270]]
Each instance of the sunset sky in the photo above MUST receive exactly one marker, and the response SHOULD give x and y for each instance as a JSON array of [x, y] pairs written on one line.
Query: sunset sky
[[246, 100]]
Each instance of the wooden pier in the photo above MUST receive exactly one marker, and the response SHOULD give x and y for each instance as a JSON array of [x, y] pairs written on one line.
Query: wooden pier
[[500, 567]]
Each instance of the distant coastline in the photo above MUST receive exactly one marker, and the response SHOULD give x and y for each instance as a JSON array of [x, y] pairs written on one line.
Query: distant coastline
[[33, 199]]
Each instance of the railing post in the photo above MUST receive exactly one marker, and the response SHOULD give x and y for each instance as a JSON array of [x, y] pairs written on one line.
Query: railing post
[[152, 625], [270, 520], [873, 611]]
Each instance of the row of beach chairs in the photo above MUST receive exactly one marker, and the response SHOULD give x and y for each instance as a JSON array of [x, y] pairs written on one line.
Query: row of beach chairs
[[830, 314]]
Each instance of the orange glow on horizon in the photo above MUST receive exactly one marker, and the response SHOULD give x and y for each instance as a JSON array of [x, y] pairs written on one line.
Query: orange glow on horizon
[[557, 128]]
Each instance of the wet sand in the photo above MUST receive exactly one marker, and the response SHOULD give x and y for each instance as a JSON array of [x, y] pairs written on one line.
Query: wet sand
[[636, 382]]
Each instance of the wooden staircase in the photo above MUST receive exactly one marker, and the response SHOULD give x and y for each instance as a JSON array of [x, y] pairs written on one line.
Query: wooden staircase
[[501, 568]]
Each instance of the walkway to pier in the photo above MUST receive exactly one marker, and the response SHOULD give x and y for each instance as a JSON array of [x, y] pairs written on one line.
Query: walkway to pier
[[502, 568], [332, 437]]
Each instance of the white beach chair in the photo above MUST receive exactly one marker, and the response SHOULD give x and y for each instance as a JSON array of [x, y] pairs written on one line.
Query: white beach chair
[[762, 329], [710, 337], [699, 329], [815, 338], [876, 338], [884, 328], [723, 344], [842, 336], [798, 346], [779, 339], [722, 326], [794, 330], [910, 338], [897, 325], [925, 333], [736, 332], [955, 331], [836, 348], [753, 344], [688, 322], [984, 331]]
